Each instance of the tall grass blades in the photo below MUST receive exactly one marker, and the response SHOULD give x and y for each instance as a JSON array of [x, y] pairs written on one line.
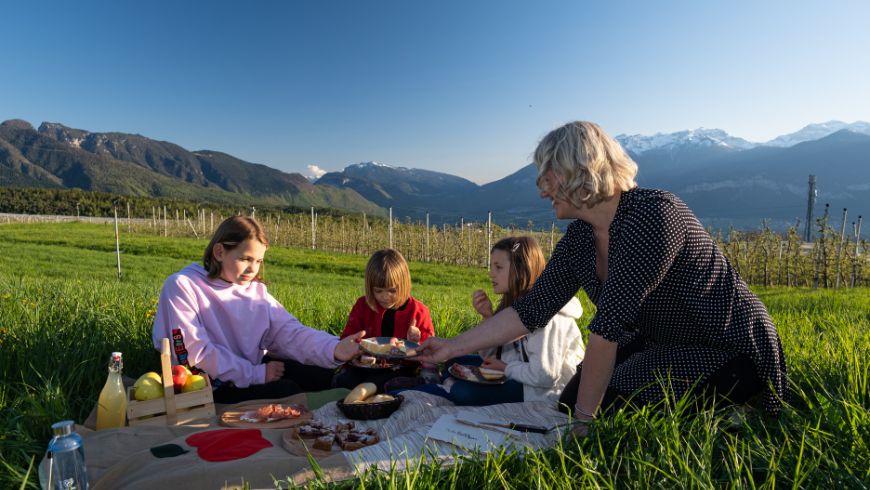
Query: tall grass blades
[[63, 310]]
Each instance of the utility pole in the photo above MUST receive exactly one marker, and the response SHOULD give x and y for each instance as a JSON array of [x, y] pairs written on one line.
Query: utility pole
[[811, 201]]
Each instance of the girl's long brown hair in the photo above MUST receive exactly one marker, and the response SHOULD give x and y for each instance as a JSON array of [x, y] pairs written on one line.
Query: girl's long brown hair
[[526, 264], [230, 233]]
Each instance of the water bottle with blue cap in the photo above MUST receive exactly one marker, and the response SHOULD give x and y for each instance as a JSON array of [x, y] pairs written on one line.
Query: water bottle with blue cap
[[63, 467]]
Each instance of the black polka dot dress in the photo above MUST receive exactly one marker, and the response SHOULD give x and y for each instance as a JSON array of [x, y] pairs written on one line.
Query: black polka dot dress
[[669, 283]]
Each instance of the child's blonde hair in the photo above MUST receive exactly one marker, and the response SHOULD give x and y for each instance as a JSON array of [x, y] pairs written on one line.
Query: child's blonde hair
[[230, 233], [526, 264], [387, 269]]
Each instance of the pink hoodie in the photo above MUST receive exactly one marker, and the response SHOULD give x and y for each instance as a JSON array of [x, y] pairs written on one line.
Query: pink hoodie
[[227, 328]]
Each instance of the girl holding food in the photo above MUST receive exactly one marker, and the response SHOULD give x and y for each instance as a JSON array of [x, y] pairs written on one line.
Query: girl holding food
[[386, 310], [538, 365]]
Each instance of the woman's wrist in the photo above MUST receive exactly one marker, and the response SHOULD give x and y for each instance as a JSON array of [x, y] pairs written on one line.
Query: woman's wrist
[[581, 414]]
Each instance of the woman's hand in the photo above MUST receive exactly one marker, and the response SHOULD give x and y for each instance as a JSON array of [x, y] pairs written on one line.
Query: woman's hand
[[493, 363], [481, 303], [274, 371], [580, 430], [435, 350], [348, 348]]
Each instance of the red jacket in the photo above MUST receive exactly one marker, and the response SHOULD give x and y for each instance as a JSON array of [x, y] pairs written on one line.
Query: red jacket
[[364, 318]]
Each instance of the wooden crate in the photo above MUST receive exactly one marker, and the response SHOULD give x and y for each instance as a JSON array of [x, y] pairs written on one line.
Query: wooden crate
[[172, 409]]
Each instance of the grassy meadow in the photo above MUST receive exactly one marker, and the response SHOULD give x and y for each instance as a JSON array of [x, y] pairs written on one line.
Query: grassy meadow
[[63, 310]]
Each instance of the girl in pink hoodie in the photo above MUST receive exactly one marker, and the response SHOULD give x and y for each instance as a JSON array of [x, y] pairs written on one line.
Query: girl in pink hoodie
[[222, 321]]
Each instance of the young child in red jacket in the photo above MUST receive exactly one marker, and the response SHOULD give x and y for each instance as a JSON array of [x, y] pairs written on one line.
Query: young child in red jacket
[[386, 310]]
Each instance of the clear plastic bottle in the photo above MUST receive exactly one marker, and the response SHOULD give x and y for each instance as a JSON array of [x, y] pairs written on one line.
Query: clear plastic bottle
[[112, 404], [63, 467]]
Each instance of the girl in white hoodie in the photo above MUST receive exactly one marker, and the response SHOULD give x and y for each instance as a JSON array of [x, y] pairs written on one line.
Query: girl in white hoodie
[[537, 366]]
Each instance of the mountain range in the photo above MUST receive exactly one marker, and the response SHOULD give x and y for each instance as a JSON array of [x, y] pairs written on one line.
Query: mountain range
[[57, 156], [726, 180]]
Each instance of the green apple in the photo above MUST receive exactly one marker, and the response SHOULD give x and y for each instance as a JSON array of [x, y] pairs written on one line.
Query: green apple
[[194, 382], [148, 387]]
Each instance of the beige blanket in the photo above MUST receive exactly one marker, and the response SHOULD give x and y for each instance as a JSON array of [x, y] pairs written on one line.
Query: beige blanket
[[120, 458]]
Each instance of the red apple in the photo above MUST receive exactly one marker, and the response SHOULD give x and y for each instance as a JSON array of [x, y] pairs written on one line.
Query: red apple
[[179, 376]]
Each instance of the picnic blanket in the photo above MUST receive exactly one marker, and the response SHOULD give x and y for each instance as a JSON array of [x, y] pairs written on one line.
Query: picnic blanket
[[185, 456]]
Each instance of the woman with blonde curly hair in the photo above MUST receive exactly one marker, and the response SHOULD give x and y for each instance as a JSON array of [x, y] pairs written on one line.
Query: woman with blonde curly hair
[[672, 316]]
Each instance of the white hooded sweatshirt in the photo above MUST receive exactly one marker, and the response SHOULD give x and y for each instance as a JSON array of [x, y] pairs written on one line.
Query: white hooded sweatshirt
[[553, 353]]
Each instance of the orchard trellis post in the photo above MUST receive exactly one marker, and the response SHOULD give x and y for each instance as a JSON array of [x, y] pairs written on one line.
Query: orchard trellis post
[[365, 226], [857, 254], [461, 237], [117, 243], [840, 249], [488, 238], [313, 229]]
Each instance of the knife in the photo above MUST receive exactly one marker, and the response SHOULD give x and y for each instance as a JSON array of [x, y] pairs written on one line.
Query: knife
[[510, 425]]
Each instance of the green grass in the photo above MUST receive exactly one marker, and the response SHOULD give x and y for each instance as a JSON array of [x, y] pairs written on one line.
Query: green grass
[[63, 310]]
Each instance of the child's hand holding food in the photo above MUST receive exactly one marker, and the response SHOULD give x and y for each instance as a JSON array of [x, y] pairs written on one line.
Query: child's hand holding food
[[413, 332], [481, 303]]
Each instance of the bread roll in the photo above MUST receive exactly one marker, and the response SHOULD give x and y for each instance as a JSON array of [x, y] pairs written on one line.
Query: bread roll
[[380, 398], [491, 374], [361, 392]]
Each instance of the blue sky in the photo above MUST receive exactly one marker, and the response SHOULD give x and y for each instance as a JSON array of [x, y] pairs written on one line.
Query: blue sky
[[464, 87]]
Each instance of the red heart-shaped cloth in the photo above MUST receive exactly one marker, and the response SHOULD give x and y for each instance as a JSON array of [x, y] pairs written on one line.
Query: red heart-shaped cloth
[[227, 444]]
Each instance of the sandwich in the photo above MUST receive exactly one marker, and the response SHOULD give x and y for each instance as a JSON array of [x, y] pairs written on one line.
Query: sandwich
[[491, 374]]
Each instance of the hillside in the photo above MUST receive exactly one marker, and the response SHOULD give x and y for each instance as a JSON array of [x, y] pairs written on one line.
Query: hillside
[[129, 164]]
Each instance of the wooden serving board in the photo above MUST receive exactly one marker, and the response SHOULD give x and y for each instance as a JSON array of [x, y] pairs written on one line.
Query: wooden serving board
[[231, 418], [298, 446], [303, 447]]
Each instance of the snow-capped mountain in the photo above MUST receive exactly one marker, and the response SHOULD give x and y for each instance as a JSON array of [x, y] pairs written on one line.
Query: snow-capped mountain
[[817, 131], [363, 165], [701, 137]]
